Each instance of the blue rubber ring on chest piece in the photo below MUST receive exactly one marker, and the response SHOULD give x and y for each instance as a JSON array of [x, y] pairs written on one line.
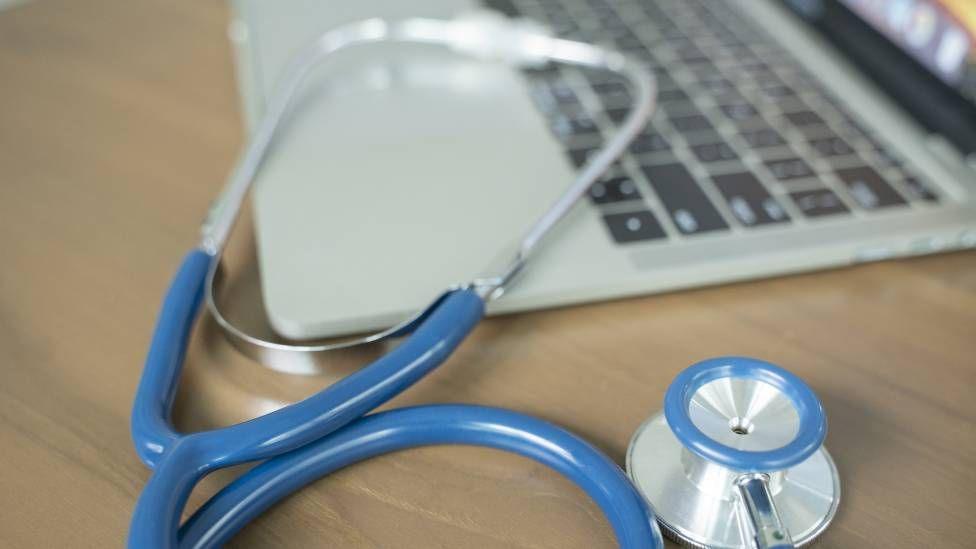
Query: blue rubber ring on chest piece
[[810, 434]]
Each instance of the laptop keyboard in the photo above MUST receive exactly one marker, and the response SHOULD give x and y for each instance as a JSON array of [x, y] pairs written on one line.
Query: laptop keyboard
[[744, 138]]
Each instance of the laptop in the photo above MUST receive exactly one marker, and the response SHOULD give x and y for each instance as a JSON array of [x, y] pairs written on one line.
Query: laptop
[[791, 136]]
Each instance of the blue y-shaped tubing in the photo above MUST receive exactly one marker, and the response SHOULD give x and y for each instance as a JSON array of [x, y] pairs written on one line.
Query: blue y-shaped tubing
[[296, 439]]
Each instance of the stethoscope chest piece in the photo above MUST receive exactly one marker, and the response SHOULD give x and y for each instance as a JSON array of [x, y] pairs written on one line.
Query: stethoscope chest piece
[[736, 458]]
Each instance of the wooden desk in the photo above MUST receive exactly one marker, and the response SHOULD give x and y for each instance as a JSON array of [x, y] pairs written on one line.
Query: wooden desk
[[118, 122]]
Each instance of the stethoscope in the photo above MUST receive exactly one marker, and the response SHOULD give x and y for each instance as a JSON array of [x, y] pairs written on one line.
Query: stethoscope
[[749, 485]]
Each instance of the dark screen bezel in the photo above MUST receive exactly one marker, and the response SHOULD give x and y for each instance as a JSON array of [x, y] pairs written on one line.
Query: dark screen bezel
[[937, 106]]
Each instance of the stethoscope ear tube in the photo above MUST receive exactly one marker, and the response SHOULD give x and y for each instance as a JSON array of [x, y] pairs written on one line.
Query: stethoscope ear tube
[[485, 35]]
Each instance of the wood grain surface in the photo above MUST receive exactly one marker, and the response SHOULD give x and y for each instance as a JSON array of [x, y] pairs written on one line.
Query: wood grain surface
[[119, 120]]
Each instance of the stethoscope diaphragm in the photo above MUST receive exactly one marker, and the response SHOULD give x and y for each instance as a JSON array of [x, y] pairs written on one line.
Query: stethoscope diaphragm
[[734, 433]]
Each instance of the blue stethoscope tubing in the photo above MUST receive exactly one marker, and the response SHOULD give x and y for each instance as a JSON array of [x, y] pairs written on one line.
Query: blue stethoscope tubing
[[331, 429]]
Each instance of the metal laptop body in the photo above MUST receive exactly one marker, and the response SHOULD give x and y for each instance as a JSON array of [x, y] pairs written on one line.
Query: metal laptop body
[[404, 168]]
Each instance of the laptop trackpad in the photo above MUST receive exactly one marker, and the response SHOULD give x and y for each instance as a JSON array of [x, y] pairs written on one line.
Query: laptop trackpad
[[402, 170]]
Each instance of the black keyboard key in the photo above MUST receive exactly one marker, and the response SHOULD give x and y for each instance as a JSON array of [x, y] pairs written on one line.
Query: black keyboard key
[[918, 190], [831, 146], [714, 152], [704, 136], [818, 202], [715, 84], [602, 35], [664, 80], [728, 97], [616, 189], [562, 93], [804, 118], [777, 92], [579, 156], [703, 69], [687, 204], [691, 123], [739, 111], [599, 77], [671, 32], [690, 53], [762, 81], [644, 55], [676, 109], [869, 189], [749, 201], [611, 88], [727, 39], [762, 137], [553, 98], [608, 19], [813, 131], [739, 51], [789, 168], [566, 127], [700, 64], [754, 67], [668, 96], [634, 226], [628, 42], [618, 115], [543, 100], [649, 143], [794, 105]]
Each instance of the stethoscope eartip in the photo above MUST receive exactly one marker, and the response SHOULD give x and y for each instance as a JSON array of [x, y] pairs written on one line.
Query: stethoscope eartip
[[736, 458]]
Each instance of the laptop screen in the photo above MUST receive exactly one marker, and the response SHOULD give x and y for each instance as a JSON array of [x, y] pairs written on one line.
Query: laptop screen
[[939, 34], [921, 52]]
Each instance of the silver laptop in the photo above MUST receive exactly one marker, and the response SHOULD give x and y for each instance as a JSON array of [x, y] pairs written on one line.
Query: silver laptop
[[791, 136]]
